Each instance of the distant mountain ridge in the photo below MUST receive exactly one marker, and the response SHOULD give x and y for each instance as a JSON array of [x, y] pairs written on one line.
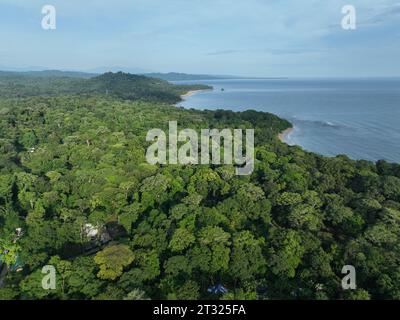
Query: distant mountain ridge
[[170, 76], [175, 76], [115, 69], [48, 73]]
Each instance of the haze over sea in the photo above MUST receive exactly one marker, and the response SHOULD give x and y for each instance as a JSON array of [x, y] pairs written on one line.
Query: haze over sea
[[359, 118]]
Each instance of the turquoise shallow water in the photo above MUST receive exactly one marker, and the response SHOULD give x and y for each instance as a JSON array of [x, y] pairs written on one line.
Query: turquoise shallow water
[[359, 118]]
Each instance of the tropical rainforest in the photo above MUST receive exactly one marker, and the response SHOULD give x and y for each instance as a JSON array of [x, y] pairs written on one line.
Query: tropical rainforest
[[77, 193]]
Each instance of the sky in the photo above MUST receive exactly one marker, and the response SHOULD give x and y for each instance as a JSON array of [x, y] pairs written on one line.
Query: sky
[[263, 38]]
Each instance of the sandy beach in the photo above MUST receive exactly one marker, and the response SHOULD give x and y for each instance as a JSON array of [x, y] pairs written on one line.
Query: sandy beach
[[282, 136], [192, 92]]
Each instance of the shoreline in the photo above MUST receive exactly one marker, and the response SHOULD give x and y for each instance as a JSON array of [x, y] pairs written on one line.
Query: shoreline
[[283, 135], [192, 92]]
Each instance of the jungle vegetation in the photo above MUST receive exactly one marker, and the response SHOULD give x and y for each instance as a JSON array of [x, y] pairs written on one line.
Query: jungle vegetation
[[72, 153]]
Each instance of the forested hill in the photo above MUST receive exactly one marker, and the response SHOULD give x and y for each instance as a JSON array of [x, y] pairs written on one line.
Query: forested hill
[[132, 87], [75, 180], [121, 85]]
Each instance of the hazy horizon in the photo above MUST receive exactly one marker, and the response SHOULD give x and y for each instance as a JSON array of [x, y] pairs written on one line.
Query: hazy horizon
[[251, 39], [223, 76]]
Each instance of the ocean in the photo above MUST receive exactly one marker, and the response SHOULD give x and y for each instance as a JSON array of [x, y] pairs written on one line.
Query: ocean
[[359, 118]]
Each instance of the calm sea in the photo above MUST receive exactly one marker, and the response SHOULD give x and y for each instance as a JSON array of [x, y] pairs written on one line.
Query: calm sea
[[359, 118]]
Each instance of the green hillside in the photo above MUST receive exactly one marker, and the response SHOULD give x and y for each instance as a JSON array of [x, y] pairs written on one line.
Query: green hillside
[[120, 85]]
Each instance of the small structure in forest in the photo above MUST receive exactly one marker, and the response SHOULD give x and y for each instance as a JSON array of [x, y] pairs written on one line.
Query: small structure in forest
[[10, 260], [18, 266], [90, 231]]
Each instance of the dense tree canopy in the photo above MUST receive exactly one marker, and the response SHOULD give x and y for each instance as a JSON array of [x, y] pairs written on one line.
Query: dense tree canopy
[[69, 160]]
